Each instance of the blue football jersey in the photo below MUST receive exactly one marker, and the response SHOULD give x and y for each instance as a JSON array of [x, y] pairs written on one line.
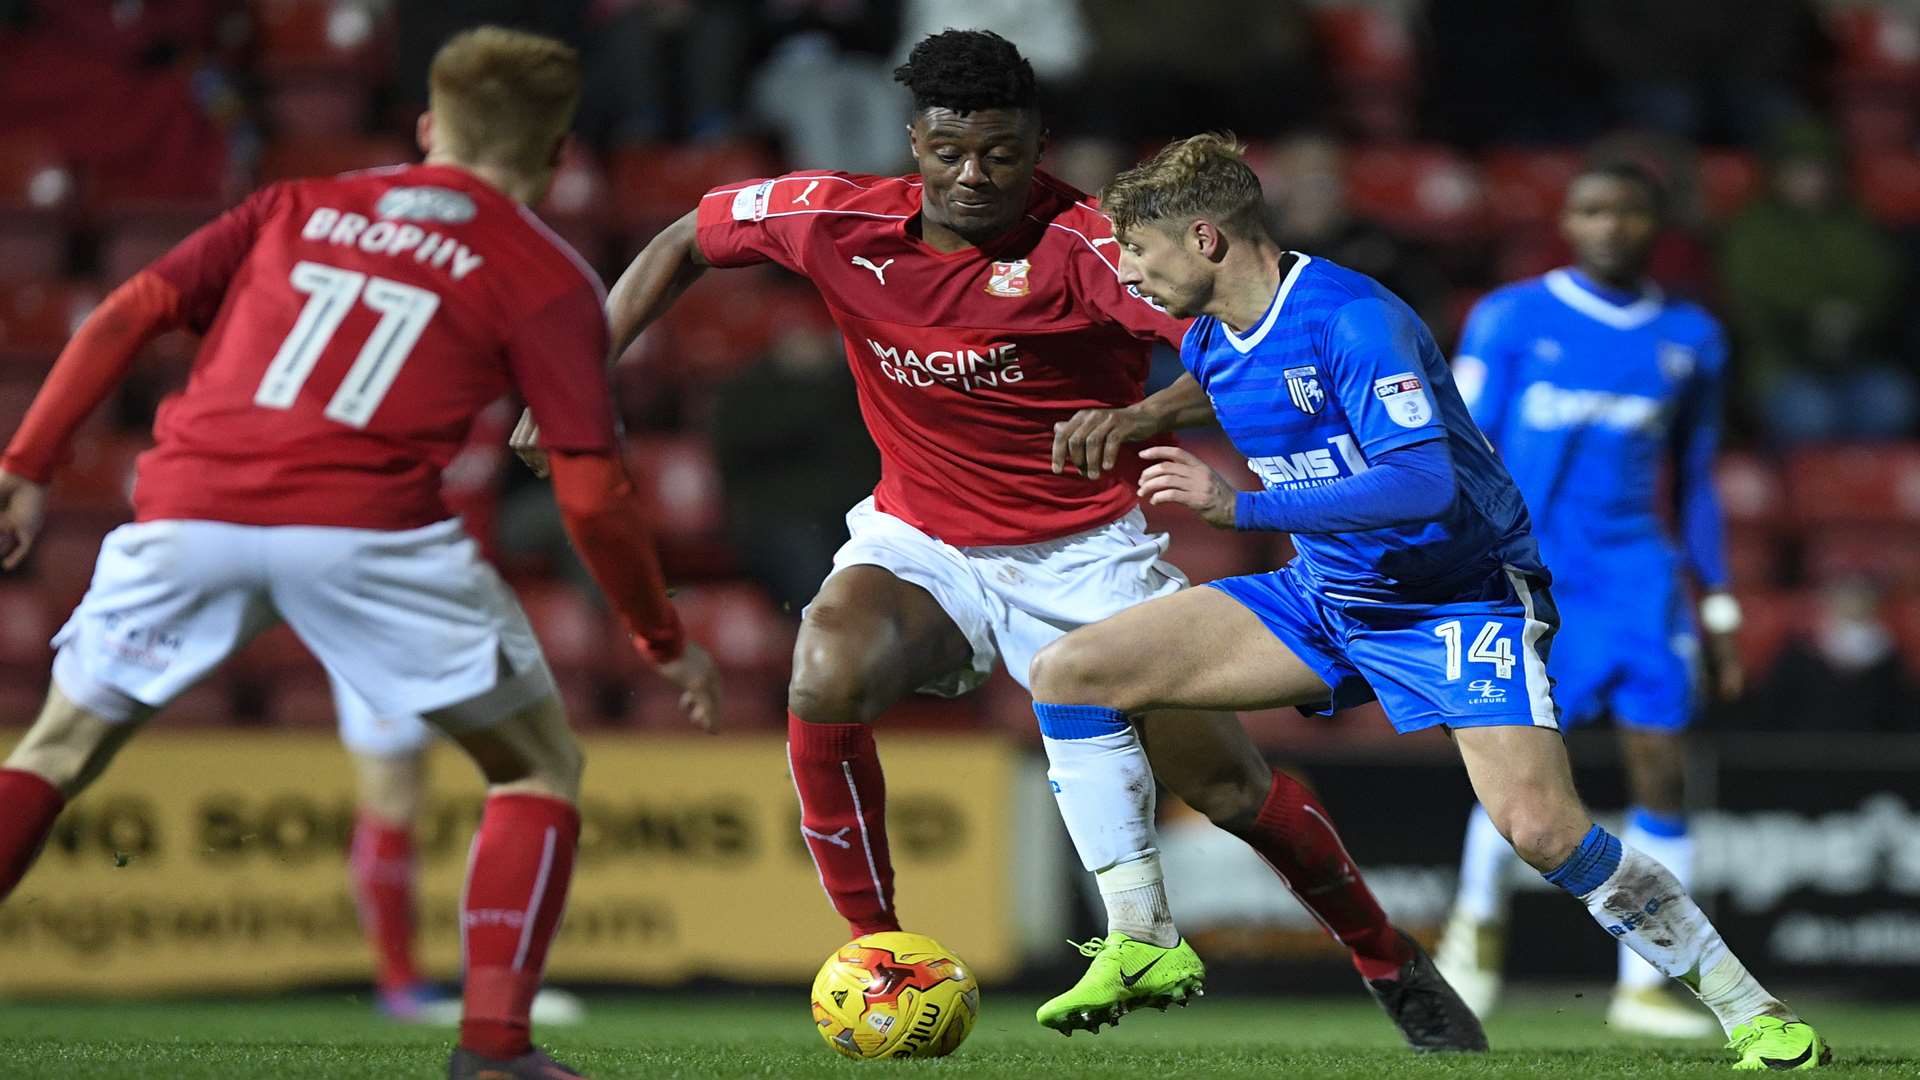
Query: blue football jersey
[[1338, 372], [1589, 395]]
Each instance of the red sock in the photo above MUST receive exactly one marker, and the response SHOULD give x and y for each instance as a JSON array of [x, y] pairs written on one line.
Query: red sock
[[516, 889], [1295, 835], [843, 815], [380, 864], [28, 807]]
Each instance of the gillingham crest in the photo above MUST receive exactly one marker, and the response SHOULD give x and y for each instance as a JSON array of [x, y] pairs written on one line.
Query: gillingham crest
[[1303, 387], [1009, 278]]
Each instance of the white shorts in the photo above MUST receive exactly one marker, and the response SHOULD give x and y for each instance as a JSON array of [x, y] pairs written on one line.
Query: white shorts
[[364, 731], [413, 623], [1012, 601]]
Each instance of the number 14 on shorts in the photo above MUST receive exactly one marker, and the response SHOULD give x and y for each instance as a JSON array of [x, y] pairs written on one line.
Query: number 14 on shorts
[[1488, 647]]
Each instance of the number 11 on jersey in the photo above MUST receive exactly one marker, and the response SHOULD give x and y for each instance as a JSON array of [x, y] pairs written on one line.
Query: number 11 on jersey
[[331, 292]]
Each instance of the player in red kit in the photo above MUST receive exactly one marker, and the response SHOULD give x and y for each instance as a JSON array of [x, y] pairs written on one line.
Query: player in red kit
[[983, 318], [353, 328]]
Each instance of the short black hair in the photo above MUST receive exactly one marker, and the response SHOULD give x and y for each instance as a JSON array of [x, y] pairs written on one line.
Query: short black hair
[[1631, 172], [968, 70]]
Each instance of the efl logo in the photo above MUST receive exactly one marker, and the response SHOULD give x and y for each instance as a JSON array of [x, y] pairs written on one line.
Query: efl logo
[[1009, 279]]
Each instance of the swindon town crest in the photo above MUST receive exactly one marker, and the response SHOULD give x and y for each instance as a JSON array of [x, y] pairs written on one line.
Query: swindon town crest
[[1303, 386], [1009, 278]]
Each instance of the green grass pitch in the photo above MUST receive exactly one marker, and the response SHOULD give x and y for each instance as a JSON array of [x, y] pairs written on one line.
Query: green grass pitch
[[767, 1035]]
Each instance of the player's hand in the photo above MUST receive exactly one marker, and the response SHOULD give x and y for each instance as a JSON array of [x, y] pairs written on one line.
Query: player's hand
[[699, 682], [1090, 440], [525, 441], [1729, 679], [23, 510], [1178, 477]]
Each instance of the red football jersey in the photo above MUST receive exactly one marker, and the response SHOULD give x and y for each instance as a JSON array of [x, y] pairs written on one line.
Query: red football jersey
[[964, 361], [354, 327]]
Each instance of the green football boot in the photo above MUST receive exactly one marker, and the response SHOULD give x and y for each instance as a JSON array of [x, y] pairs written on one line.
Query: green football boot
[[1768, 1042], [1125, 975]]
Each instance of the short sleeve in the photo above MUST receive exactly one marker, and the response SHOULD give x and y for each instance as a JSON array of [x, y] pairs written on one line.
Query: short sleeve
[[557, 359], [1373, 349], [204, 264], [758, 221]]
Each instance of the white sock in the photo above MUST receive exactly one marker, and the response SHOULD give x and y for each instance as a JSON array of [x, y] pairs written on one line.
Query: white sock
[[1665, 840], [1484, 861], [1643, 905], [1136, 897], [1105, 790]]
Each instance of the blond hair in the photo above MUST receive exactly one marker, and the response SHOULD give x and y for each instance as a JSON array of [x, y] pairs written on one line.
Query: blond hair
[[1206, 176], [503, 97]]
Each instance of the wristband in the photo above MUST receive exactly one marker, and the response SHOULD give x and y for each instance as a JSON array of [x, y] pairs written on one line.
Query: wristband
[[1719, 613]]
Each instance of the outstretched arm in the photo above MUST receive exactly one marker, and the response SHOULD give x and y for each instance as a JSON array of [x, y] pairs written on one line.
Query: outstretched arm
[[669, 263], [94, 362], [1406, 485]]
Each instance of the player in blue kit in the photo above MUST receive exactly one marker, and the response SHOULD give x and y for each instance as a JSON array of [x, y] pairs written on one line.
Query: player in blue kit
[[1417, 581], [1590, 384]]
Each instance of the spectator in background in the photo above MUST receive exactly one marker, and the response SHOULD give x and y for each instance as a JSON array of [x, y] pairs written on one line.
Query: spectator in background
[[126, 91], [1052, 36], [826, 86], [1305, 181], [663, 69], [1841, 674], [1714, 70], [1156, 65], [793, 454], [1814, 289]]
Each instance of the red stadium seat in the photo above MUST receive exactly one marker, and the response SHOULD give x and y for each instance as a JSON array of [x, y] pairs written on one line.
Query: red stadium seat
[[278, 657], [1526, 187], [1370, 56], [289, 159], [304, 106], [1728, 178], [302, 704], [27, 623], [679, 482], [20, 700], [42, 315], [1889, 186], [1768, 619], [1877, 42], [134, 235], [739, 624], [1751, 494], [1424, 191], [99, 479], [654, 185], [1754, 559], [572, 631], [36, 193], [1890, 556], [1855, 485], [315, 36], [1903, 615], [61, 564]]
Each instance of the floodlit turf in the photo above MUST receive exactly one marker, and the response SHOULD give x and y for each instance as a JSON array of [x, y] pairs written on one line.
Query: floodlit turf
[[767, 1035]]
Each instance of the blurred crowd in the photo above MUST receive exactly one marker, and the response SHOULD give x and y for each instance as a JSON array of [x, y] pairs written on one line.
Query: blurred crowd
[[1424, 142]]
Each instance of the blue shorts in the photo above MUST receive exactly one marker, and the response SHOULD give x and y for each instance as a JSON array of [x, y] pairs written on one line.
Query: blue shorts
[[1628, 649], [1476, 661]]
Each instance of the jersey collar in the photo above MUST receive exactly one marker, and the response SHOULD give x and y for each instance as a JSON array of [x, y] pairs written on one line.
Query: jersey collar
[[1566, 288], [1246, 344]]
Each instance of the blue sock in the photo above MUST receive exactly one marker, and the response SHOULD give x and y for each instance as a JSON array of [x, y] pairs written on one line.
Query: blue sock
[[1665, 826], [1590, 865], [1079, 721]]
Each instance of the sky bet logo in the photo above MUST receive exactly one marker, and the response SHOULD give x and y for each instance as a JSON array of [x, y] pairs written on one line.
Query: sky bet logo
[[1631, 922]]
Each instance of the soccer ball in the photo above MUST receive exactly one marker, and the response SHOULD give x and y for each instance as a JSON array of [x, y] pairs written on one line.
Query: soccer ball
[[894, 995]]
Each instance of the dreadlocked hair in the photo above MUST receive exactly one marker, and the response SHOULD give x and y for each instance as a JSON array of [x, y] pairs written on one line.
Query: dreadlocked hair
[[967, 70]]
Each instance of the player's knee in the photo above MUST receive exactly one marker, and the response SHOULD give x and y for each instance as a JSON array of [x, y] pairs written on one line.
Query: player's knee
[[1072, 671], [829, 685], [1542, 835]]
